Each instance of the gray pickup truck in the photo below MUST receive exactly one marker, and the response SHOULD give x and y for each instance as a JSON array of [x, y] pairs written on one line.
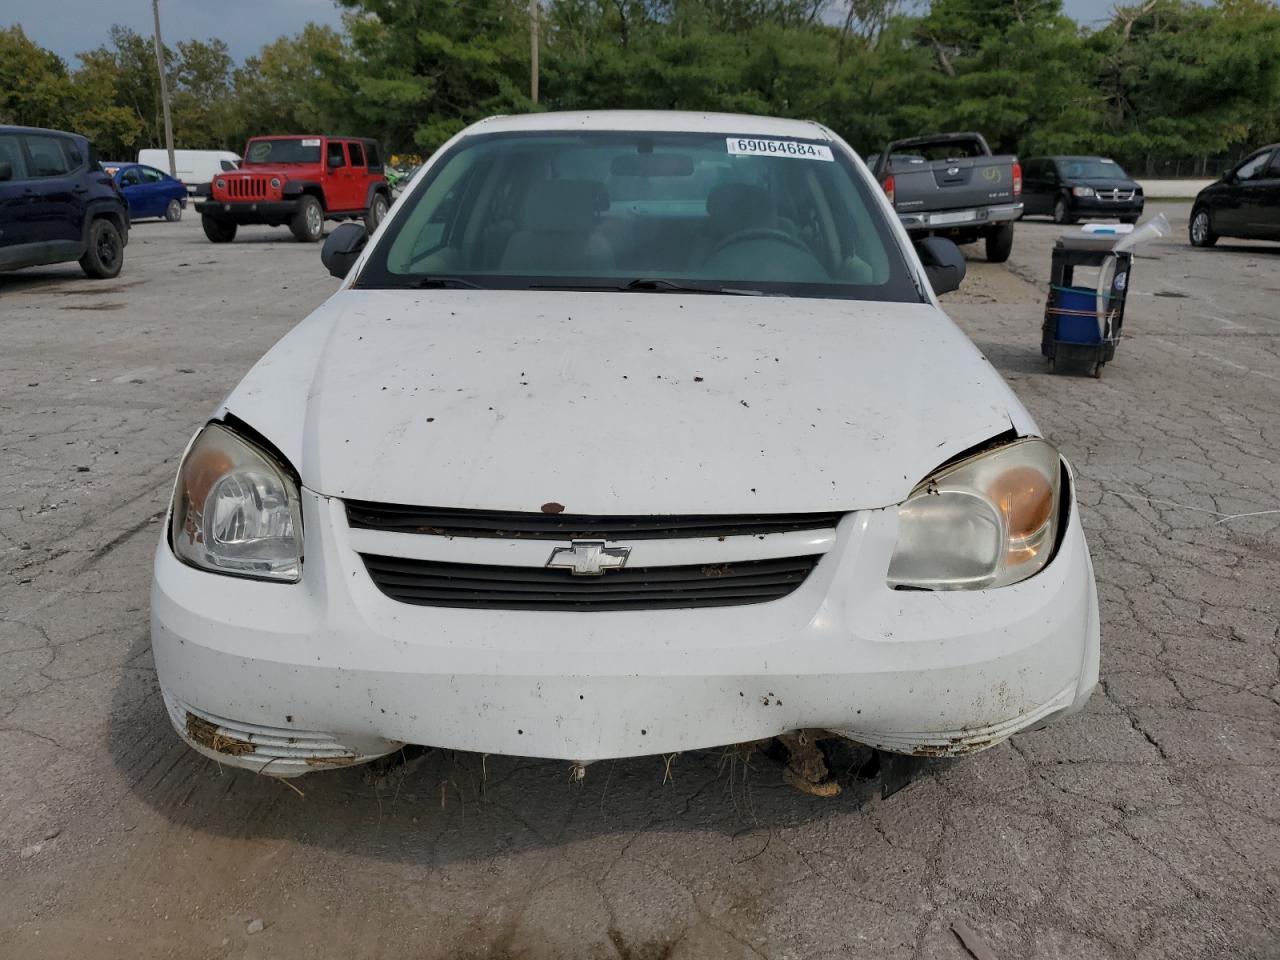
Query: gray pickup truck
[[951, 185]]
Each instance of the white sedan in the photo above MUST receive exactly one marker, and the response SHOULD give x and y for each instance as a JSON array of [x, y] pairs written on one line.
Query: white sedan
[[627, 433]]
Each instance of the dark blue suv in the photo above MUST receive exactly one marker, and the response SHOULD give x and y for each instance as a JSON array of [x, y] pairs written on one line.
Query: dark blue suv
[[57, 204]]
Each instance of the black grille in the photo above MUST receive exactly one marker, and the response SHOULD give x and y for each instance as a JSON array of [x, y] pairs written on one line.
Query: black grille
[[433, 584], [450, 522], [247, 188]]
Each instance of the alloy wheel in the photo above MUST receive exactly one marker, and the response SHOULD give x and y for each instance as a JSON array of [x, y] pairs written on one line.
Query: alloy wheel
[[1200, 227]]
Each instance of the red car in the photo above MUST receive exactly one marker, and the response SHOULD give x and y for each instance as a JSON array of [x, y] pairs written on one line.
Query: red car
[[300, 181]]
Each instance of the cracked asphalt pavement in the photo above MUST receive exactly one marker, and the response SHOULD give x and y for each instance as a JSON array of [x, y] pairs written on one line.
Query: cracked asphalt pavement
[[1146, 827]]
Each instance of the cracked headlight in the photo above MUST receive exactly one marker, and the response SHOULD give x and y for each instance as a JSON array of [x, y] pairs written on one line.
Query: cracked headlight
[[236, 510], [986, 521]]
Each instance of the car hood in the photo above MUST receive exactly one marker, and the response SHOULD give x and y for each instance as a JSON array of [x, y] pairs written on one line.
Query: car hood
[[611, 403]]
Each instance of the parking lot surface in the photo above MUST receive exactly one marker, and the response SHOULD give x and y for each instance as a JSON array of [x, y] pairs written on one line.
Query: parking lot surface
[[1147, 827]]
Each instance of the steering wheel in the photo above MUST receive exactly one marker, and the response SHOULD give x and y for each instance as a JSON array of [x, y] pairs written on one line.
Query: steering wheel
[[760, 233]]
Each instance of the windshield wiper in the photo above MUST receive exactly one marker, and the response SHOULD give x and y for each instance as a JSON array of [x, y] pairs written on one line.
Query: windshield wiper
[[443, 283], [659, 284], [679, 286]]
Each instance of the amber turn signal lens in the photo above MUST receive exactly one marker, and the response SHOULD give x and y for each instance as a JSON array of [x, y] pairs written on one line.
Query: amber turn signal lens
[[1025, 497], [204, 470]]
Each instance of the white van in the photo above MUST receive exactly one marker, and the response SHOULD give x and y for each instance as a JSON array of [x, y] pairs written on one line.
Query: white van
[[195, 167]]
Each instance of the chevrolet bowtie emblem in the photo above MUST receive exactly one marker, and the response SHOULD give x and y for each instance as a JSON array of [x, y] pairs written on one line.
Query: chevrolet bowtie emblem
[[588, 558]]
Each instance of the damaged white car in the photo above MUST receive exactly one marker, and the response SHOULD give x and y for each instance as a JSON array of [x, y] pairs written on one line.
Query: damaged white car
[[626, 434]]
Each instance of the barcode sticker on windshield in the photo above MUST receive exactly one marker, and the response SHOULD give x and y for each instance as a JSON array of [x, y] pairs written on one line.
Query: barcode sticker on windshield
[[311, 143], [743, 146]]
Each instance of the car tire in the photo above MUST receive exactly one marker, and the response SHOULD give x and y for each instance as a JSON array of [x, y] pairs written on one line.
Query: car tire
[[173, 212], [218, 231], [1200, 230], [1000, 244], [105, 254], [1062, 212], [377, 210], [308, 220]]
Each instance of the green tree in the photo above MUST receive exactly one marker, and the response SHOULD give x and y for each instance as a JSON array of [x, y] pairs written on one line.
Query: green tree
[[1015, 70], [128, 63], [1182, 82], [204, 111], [421, 70], [35, 89], [283, 89]]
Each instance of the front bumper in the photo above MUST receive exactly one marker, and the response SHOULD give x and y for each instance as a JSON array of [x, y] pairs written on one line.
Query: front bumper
[[1093, 207], [246, 211], [966, 219], [255, 674]]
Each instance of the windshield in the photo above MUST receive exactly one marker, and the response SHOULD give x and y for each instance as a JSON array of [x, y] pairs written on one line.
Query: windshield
[[1087, 169], [643, 210], [283, 151]]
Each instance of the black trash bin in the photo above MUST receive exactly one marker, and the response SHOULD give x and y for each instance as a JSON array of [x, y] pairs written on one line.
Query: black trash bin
[[1082, 324]]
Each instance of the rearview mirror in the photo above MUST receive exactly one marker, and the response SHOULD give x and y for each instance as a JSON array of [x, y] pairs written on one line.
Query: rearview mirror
[[652, 165], [342, 248], [6, 171], [943, 263]]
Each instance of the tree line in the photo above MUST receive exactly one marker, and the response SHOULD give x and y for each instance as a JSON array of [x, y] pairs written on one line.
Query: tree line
[[1166, 87]]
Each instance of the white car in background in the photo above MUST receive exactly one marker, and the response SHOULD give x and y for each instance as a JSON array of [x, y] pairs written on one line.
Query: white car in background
[[195, 168], [627, 433]]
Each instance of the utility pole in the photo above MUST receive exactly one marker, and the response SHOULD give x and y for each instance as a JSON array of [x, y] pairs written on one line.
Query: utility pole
[[533, 50], [164, 91]]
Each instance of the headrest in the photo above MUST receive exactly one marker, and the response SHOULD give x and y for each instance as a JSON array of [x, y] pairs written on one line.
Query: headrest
[[564, 206], [739, 206]]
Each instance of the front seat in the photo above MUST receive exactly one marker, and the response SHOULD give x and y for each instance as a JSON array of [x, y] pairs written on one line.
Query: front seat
[[559, 230]]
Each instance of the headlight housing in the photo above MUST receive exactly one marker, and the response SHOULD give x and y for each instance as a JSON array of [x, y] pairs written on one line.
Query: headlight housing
[[236, 510], [275, 183], [220, 184], [1082, 191], [989, 520]]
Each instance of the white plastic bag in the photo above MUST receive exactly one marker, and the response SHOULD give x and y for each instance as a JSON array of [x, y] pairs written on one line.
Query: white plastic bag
[[1153, 229]]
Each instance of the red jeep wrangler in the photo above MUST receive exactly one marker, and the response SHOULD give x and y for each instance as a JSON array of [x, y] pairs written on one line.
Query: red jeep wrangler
[[301, 181]]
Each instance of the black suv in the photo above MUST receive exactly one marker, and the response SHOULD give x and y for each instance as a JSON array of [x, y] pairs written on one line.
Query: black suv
[[57, 204], [1073, 188]]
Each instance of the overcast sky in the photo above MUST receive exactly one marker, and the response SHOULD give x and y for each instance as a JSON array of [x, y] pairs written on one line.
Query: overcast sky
[[69, 26]]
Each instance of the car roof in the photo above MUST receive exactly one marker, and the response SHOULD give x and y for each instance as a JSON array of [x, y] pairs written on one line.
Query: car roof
[[7, 128], [657, 121]]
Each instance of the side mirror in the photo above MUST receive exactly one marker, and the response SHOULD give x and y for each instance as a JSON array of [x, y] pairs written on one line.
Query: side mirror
[[342, 248], [6, 171], [1228, 176], [943, 263]]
